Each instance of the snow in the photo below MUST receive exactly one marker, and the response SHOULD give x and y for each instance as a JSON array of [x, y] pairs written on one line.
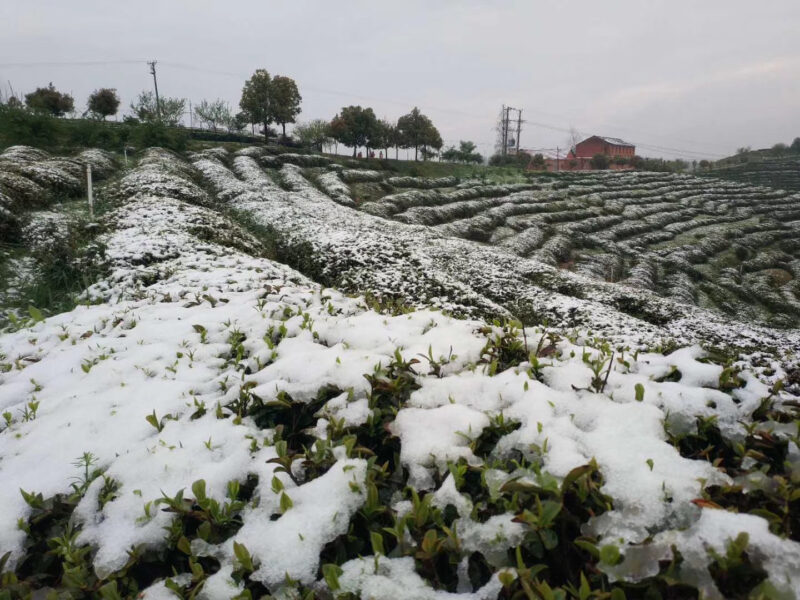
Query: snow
[[397, 578], [425, 266], [715, 529], [157, 339], [444, 438], [321, 511]]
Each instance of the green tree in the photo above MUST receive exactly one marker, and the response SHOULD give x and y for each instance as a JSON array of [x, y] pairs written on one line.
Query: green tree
[[780, 148], [50, 100], [213, 114], [394, 139], [432, 143], [679, 165], [379, 136], [466, 148], [285, 101], [795, 147], [354, 126], [538, 162], [10, 102], [146, 110], [599, 162], [416, 131], [467, 154], [238, 121], [314, 134], [256, 99], [103, 103], [383, 136], [451, 154]]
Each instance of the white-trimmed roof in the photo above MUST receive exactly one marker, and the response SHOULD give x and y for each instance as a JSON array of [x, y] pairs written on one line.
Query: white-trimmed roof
[[615, 141]]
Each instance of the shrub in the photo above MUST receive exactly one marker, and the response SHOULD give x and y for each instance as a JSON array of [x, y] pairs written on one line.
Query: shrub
[[538, 161], [600, 162], [522, 159], [20, 126], [95, 134], [780, 148], [150, 134]]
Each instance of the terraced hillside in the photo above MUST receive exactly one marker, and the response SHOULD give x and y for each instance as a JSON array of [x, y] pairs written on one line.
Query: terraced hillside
[[633, 252], [706, 242], [214, 424], [782, 172], [46, 236]]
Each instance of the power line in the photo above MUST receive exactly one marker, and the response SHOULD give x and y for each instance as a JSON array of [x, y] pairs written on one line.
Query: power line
[[83, 63], [623, 128], [640, 144], [430, 108]]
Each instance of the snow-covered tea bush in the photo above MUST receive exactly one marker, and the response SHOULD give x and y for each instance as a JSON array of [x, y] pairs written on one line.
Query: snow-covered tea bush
[[228, 428], [422, 182], [331, 182], [360, 175]]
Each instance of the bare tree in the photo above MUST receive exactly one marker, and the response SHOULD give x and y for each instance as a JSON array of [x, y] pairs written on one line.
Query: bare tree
[[146, 109], [213, 114], [574, 138]]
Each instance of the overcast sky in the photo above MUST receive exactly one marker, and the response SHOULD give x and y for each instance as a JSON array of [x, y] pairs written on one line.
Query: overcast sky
[[700, 76]]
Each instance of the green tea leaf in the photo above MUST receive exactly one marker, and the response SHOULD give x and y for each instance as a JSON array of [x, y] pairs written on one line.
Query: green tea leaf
[[184, 546], [37, 316], [610, 555], [376, 539], [331, 574], [243, 556], [639, 392]]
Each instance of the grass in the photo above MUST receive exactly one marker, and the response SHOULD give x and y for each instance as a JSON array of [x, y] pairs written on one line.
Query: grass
[[445, 169], [62, 264], [58, 274]]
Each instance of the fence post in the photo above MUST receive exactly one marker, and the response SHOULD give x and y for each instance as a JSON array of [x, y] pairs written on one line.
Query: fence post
[[89, 190]]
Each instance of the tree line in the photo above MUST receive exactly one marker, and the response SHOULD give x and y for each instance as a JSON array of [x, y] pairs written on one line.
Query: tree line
[[266, 100]]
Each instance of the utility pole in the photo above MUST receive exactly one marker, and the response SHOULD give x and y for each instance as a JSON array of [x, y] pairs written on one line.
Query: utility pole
[[89, 194], [505, 126], [152, 64], [505, 146]]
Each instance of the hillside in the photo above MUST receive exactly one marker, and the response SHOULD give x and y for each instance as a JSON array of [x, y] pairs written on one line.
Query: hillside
[[777, 170], [668, 238], [294, 377]]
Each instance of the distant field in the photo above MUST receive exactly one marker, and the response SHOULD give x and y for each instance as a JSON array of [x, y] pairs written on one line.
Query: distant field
[[778, 171], [707, 242]]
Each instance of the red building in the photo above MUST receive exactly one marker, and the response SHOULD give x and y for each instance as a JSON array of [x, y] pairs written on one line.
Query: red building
[[611, 147], [580, 157]]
